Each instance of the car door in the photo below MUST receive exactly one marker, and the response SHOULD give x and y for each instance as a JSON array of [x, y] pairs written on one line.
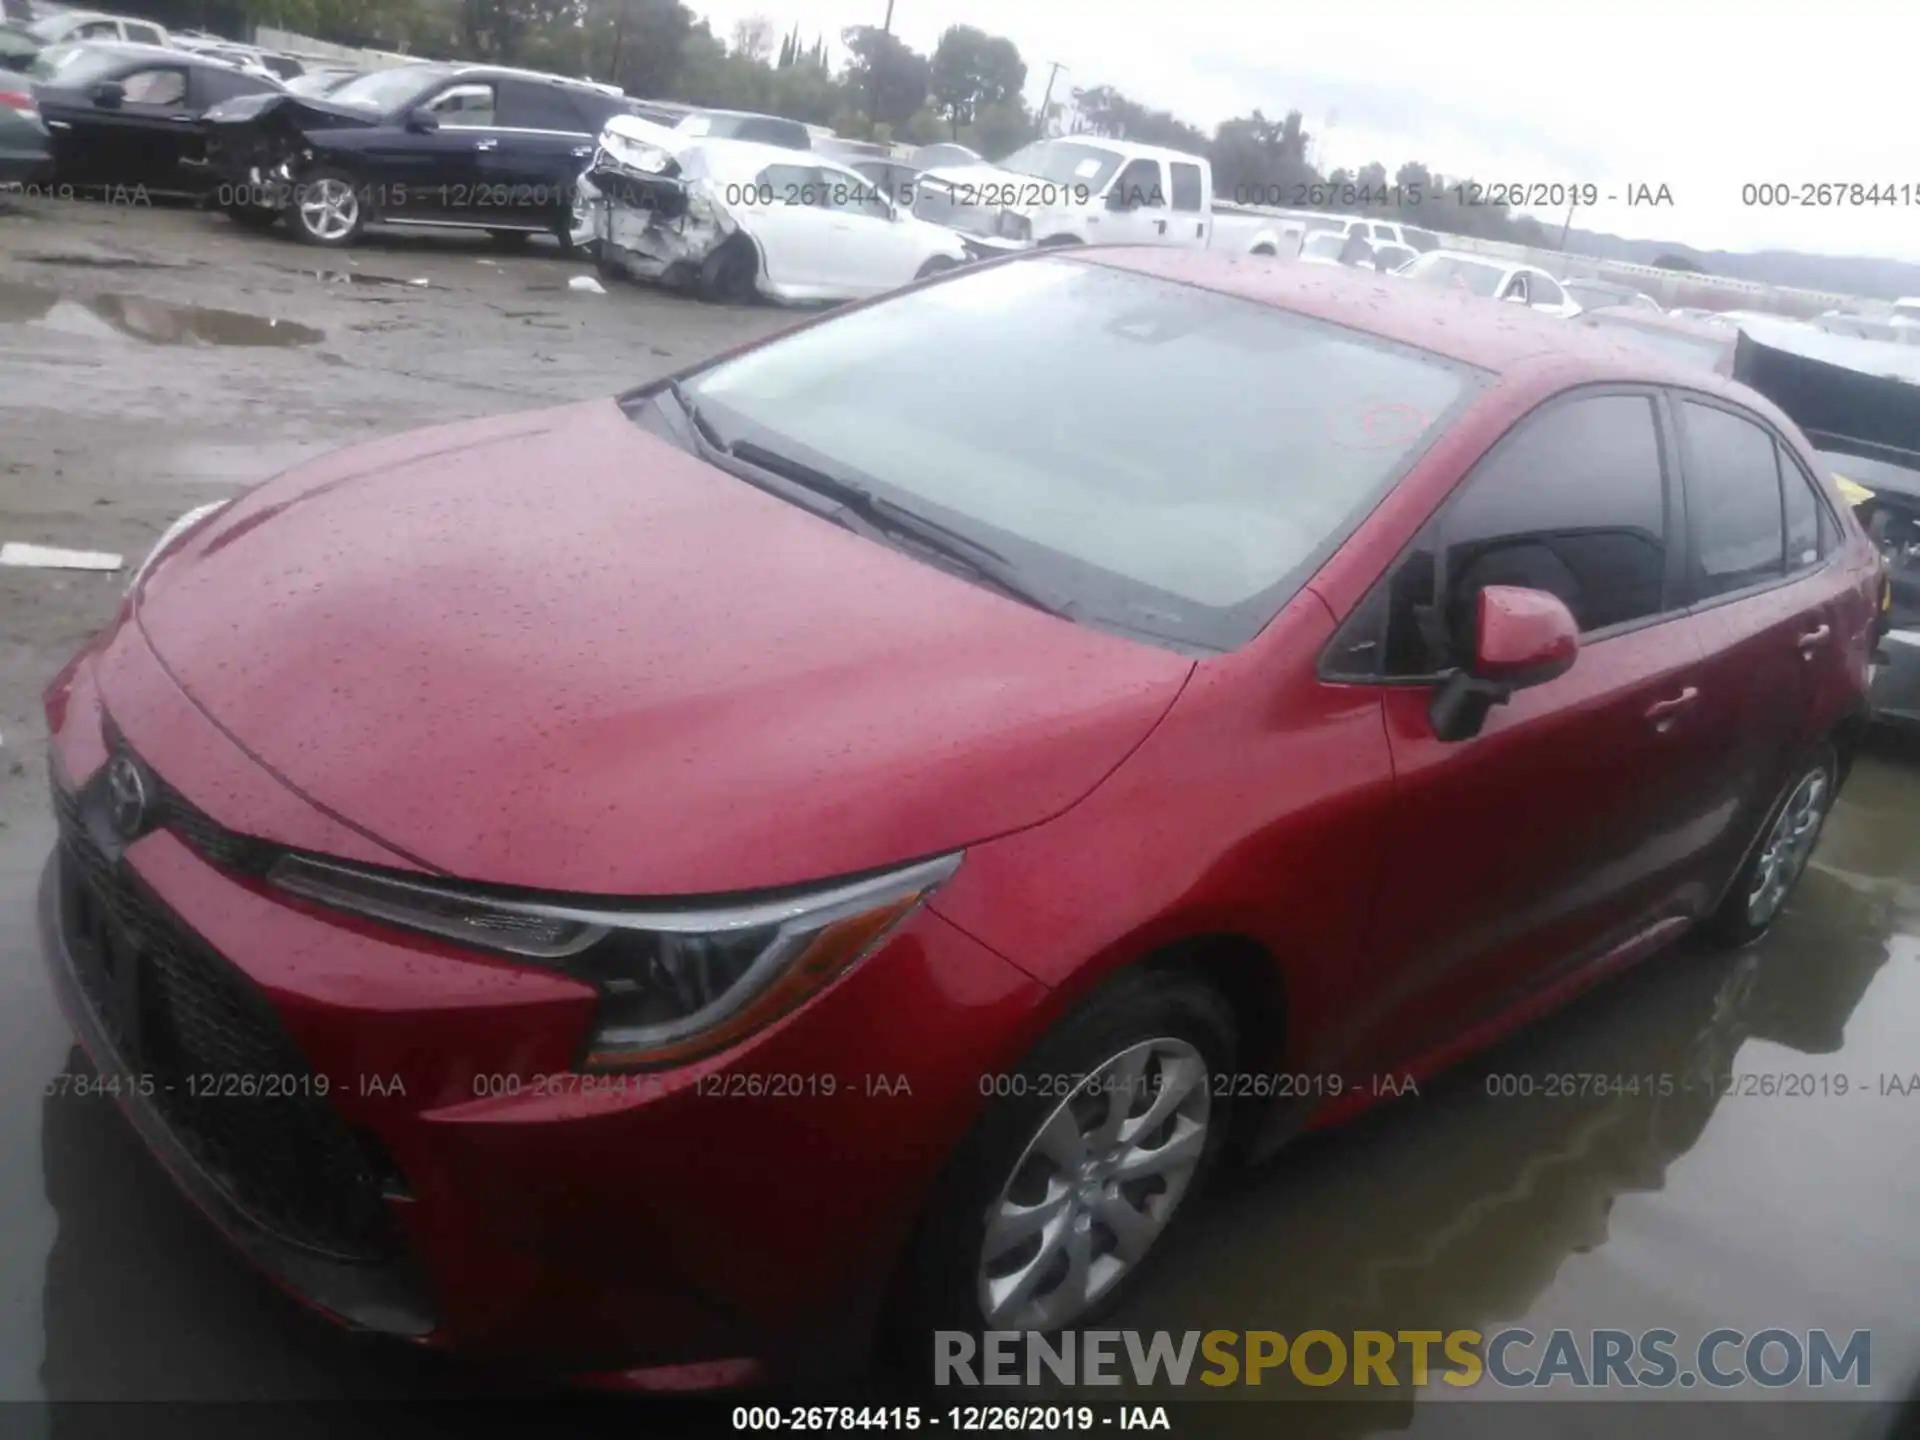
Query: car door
[[1765, 634], [1143, 216], [1190, 220], [787, 217], [140, 141], [543, 141], [1577, 819], [434, 176], [869, 249]]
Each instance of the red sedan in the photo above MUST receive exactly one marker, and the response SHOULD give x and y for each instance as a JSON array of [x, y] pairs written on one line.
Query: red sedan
[[841, 841]]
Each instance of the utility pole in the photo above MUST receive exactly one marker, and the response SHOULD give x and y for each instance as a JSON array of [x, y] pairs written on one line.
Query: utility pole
[[873, 105], [1046, 98], [1564, 229]]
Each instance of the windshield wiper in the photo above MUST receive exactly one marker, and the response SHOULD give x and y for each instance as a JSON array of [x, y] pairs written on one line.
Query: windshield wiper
[[980, 561], [699, 422]]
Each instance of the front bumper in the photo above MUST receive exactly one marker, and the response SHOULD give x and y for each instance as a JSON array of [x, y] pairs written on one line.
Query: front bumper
[[750, 1206]]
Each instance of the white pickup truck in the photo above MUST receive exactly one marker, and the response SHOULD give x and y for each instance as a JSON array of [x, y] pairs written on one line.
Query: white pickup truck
[[1085, 190]]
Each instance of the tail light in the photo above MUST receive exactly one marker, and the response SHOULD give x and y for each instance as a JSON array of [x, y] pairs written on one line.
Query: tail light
[[21, 102]]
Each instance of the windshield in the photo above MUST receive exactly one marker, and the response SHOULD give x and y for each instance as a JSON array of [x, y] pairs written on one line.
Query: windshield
[[1421, 240], [1694, 349], [1471, 275], [1173, 461], [49, 27], [382, 91], [74, 64], [1391, 257], [1064, 162]]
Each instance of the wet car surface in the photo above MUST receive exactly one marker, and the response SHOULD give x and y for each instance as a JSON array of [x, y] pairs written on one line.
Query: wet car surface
[[1462, 1206]]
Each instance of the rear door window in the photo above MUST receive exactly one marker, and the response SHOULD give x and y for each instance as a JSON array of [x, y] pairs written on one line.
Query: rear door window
[[165, 89], [1733, 499]]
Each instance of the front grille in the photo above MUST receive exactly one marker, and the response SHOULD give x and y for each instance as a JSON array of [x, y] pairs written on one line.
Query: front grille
[[209, 1052]]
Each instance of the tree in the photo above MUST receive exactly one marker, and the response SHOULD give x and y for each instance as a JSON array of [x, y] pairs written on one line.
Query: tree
[[972, 69], [890, 77], [642, 42], [753, 38]]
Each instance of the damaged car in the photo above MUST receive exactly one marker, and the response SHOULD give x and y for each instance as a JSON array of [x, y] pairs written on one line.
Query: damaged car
[[454, 146], [732, 220]]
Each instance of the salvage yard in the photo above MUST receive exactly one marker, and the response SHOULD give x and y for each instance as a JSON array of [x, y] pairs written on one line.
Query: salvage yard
[[152, 359]]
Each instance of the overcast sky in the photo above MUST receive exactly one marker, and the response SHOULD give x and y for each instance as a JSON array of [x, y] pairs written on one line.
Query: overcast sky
[[1701, 96]]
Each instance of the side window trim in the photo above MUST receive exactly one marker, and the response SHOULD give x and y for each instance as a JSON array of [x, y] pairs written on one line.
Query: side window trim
[[1370, 609], [1780, 448]]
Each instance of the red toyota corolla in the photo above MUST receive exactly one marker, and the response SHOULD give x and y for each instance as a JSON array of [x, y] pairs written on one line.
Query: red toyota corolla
[[841, 841]]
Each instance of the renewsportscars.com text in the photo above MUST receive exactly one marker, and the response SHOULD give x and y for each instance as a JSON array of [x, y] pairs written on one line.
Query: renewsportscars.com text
[[1510, 1359]]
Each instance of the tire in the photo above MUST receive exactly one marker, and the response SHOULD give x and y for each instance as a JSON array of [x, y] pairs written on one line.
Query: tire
[[509, 239], [1267, 250], [1055, 241], [1187, 1030], [253, 217], [728, 275], [327, 208], [938, 265], [1780, 855]]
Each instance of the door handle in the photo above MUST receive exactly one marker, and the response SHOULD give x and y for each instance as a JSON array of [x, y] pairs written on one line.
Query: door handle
[[1662, 713], [1161, 226], [486, 144], [1814, 639], [582, 151]]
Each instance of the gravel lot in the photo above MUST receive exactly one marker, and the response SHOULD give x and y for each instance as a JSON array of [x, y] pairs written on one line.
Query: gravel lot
[[151, 359]]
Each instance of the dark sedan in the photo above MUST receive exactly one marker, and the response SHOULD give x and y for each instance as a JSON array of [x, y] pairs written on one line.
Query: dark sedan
[[458, 146], [128, 115]]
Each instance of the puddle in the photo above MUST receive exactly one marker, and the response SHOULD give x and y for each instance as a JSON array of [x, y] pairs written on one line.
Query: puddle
[[156, 322]]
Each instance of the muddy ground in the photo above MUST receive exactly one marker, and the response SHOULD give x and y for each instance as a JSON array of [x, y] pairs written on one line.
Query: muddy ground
[[153, 359]]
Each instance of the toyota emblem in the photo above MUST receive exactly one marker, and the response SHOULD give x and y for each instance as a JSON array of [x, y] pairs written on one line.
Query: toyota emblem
[[126, 797]]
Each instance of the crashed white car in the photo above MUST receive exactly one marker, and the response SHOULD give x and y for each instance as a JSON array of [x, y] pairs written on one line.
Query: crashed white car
[[733, 219]]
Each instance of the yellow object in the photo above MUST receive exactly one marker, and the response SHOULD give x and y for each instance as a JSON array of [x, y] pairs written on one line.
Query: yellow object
[[1852, 493]]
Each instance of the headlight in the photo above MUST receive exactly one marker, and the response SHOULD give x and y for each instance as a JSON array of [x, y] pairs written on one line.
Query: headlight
[[674, 984], [172, 533], [1011, 226]]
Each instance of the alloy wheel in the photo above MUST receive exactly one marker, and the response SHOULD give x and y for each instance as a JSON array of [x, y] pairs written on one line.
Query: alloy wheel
[[1095, 1187], [329, 210], [1788, 845]]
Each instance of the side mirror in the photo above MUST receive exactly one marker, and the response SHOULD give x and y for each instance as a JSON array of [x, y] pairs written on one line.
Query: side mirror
[[422, 121], [110, 94], [1521, 638]]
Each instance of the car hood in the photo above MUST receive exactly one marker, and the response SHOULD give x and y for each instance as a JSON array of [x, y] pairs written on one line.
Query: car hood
[[553, 650]]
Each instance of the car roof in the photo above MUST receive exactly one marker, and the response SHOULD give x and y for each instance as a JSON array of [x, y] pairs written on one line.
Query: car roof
[[139, 50], [1131, 149], [1504, 339]]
